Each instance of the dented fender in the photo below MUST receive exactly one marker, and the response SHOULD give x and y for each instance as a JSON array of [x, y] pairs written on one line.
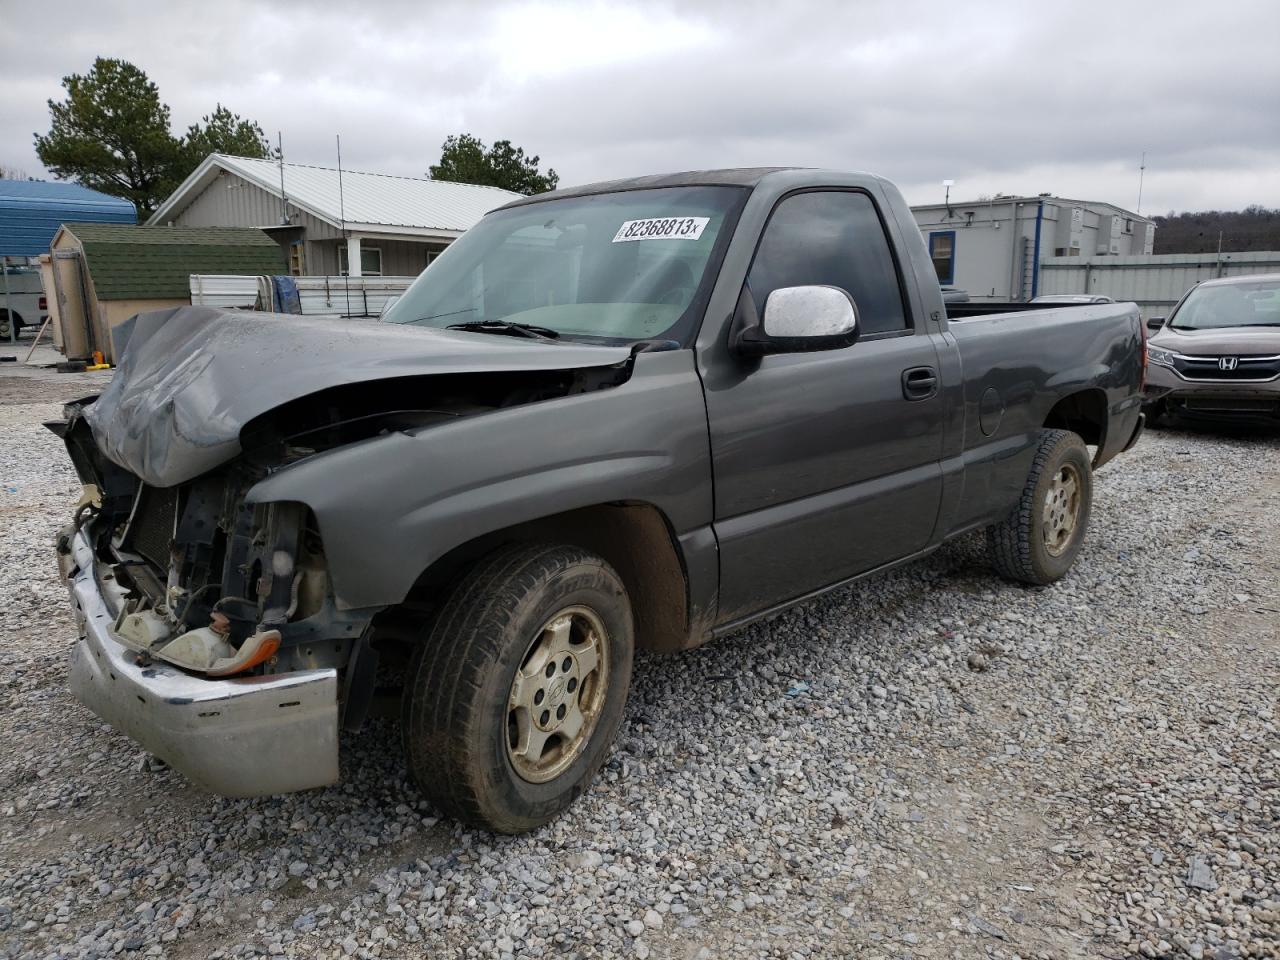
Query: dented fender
[[390, 506]]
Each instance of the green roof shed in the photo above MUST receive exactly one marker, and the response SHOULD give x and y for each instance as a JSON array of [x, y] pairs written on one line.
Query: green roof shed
[[103, 273], [152, 263]]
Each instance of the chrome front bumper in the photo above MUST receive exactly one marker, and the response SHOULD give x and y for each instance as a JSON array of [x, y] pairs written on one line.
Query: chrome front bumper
[[249, 737]]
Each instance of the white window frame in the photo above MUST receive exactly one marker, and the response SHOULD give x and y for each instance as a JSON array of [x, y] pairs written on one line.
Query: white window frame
[[364, 251]]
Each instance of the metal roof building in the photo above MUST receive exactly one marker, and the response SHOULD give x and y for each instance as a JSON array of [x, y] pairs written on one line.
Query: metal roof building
[[32, 210], [994, 247], [383, 225]]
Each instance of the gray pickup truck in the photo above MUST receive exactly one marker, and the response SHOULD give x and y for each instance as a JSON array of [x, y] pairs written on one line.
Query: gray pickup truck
[[638, 414]]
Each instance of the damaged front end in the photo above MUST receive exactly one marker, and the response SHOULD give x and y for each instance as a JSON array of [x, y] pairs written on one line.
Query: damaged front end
[[219, 628], [209, 629], [206, 581]]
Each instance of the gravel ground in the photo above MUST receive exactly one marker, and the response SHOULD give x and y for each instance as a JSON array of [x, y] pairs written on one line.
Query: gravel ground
[[931, 764]]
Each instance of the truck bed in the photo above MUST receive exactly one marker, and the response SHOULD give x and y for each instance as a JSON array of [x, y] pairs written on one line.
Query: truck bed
[[1003, 371], [979, 308]]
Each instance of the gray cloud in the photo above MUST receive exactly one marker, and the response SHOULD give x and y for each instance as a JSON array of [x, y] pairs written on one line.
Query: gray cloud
[[1009, 97]]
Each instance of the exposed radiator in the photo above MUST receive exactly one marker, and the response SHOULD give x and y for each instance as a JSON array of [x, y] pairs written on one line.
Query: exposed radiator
[[152, 526]]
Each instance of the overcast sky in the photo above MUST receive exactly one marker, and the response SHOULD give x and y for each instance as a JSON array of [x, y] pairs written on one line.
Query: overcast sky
[[1000, 97]]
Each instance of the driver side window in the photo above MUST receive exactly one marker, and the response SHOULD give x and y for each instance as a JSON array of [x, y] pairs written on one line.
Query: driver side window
[[833, 238]]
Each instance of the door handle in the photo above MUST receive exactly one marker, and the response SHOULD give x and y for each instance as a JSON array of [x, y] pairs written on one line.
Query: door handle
[[919, 383]]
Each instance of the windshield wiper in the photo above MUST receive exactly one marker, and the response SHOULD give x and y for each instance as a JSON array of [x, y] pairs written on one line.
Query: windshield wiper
[[437, 316], [508, 328]]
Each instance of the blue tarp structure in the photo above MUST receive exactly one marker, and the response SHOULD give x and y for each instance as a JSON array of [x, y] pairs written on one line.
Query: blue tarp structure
[[284, 295], [32, 210]]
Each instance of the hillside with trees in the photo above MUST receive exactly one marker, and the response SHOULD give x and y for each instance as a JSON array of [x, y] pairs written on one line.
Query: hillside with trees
[[1253, 228]]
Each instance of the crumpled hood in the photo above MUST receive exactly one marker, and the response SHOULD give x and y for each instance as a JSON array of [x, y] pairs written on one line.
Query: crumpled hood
[[189, 379], [1228, 341]]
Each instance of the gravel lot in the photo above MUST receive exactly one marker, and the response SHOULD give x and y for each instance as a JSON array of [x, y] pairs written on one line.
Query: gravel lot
[[932, 764]]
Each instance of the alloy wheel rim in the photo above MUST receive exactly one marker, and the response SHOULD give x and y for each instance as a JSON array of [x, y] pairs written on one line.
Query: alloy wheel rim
[[557, 694], [1061, 510]]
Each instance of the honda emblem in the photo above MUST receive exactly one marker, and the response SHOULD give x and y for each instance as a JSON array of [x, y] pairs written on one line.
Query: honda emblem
[[1227, 363]]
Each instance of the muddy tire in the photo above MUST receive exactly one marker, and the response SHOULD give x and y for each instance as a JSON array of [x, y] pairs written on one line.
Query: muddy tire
[[513, 699], [1038, 542]]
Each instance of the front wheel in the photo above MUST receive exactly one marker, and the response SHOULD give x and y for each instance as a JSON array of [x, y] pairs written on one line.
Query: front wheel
[[1038, 542], [514, 697]]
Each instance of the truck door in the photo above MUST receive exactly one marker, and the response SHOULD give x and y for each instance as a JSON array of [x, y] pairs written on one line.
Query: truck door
[[826, 464]]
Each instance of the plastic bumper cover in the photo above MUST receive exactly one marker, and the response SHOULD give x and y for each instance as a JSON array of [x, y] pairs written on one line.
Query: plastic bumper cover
[[247, 737]]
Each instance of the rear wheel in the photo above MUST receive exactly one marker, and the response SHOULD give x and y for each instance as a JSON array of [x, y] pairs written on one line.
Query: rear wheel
[[513, 699], [1038, 542]]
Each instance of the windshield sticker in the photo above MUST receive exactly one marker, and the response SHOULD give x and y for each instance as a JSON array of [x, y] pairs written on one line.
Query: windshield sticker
[[662, 228]]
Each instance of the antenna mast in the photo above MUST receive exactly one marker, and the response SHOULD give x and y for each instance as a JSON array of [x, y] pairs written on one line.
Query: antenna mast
[[342, 217], [284, 199], [1142, 169]]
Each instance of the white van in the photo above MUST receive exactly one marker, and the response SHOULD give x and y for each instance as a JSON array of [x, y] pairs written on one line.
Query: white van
[[26, 301]]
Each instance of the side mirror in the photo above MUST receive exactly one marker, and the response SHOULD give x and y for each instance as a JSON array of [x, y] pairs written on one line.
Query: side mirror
[[796, 319], [387, 304], [1155, 323]]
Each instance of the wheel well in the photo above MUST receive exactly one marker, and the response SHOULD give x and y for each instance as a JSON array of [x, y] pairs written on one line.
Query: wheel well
[[634, 538], [1084, 413]]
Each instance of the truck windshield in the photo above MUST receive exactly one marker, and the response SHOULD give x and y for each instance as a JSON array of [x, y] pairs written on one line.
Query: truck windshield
[[1253, 304], [611, 267]]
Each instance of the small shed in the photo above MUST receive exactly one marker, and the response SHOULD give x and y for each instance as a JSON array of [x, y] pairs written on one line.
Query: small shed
[[32, 210], [103, 274]]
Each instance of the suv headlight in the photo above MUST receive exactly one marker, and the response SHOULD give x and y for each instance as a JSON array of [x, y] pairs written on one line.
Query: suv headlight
[[1162, 357]]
